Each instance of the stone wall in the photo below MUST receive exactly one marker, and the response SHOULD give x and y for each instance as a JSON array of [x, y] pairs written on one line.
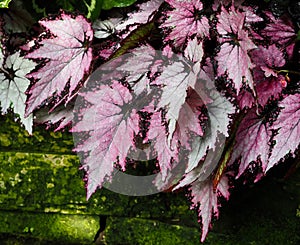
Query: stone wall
[[42, 201]]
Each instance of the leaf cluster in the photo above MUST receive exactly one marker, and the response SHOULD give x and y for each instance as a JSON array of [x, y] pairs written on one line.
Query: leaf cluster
[[207, 91]]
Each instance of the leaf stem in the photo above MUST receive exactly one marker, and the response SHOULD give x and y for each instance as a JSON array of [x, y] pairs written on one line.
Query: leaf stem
[[288, 71], [229, 146]]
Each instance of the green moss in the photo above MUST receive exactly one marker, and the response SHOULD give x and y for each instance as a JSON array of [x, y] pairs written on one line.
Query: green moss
[[146, 232], [15, 138], [4, 140], [2, 185], [39, 182], [42, 195], [50, 185], [58, 227]]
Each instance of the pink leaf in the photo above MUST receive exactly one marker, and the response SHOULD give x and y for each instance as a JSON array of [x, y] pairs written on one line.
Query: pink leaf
[[189, 133], [204, 194], [252, 142], [109, 123], [188, 121], [233, 57], [158, 137], [187, 128], [268, 83], [176, 79], [288, 124], [251, 17], [186, 20], [68, 58], [218, 115], [107, 48], [194, 51], [142, 16]]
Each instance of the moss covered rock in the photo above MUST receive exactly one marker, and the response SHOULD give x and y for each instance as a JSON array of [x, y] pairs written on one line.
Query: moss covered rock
[[43, 201]]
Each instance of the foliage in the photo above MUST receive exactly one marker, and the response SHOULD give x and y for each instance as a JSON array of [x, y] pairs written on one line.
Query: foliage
[[146, 75], [108, 4], [4, 3]]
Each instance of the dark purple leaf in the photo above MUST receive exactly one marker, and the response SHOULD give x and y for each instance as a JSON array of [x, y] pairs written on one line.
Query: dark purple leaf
[[268, 83], [245, 99], [252, 142], [280, 31], [270, 88], [267, 59]]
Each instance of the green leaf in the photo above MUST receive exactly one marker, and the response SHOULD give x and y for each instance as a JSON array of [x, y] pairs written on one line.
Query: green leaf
[[94, 9], [134, 39], [38, 9], [108, 4], [4, 3]]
